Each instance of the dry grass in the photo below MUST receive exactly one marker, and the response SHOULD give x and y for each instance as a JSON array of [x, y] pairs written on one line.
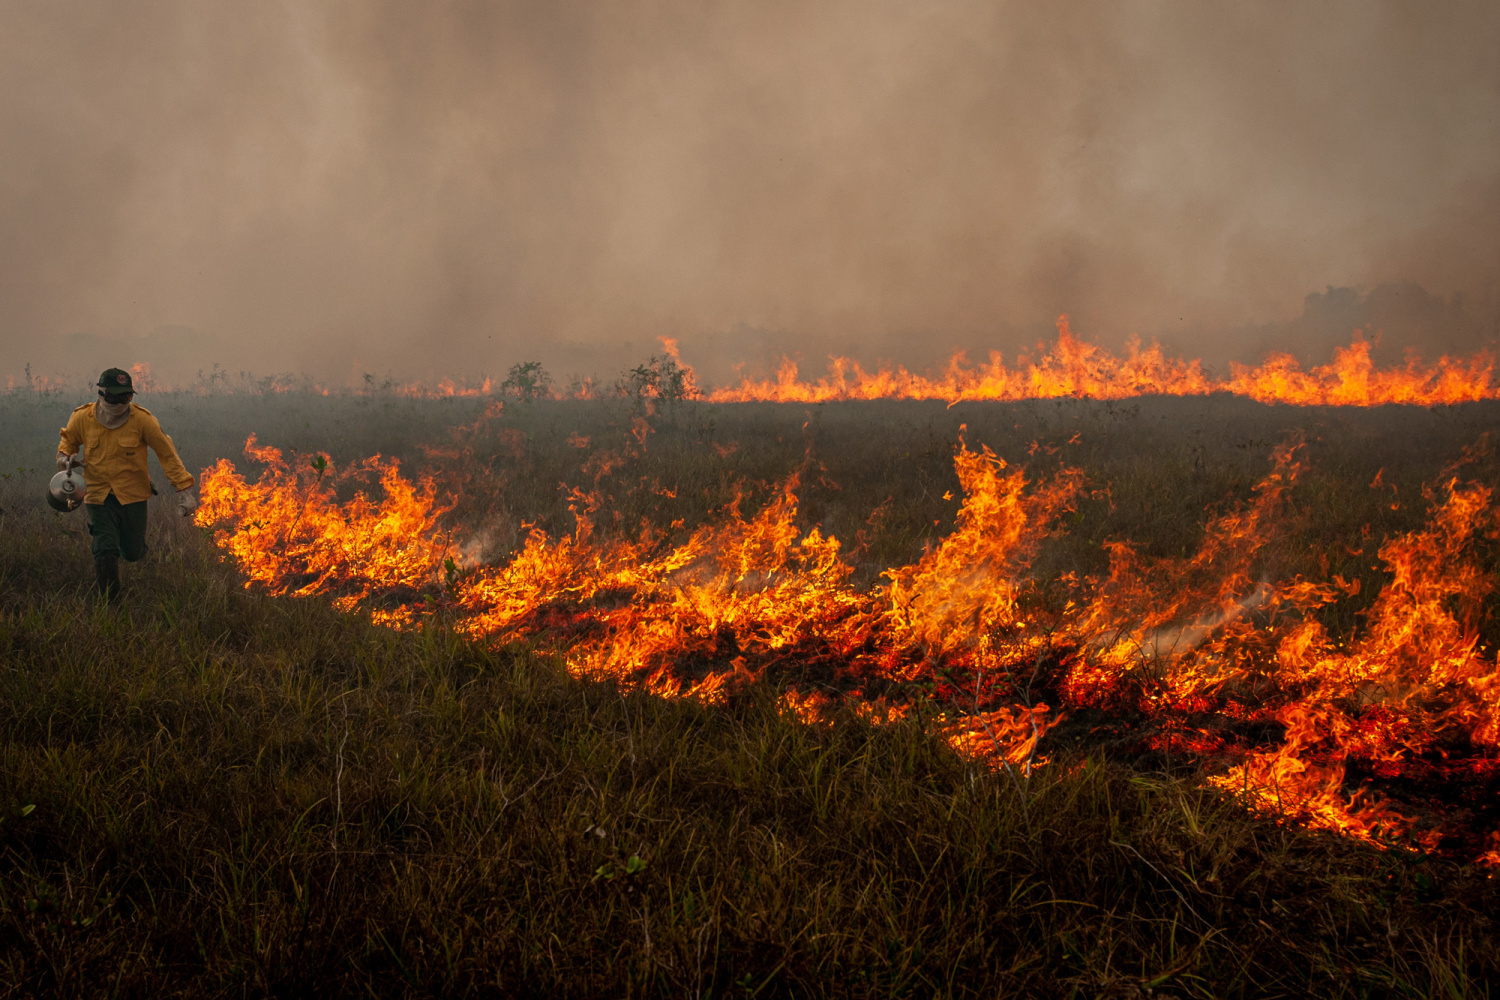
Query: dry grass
[[216, 793]]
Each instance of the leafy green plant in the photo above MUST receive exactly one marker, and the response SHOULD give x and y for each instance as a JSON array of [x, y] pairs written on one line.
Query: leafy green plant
[[660, 378], [528, 381]]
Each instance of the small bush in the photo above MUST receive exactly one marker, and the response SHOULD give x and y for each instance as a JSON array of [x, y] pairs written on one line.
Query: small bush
[[527, 380]]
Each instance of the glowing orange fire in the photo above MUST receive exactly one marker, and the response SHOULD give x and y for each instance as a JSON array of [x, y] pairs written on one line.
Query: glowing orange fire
[[753, 596], [1078, 369], [1069, 368], [292, 536]]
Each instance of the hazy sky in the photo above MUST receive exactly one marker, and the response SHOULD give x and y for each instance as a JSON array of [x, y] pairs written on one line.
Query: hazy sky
[[456, 186]]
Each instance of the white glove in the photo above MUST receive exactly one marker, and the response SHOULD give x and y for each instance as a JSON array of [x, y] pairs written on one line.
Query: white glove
[[64, 462], [186, 503]]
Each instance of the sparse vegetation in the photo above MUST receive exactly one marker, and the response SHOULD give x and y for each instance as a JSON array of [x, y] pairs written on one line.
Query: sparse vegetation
[[527, 380], [215, 792], [659, 378]]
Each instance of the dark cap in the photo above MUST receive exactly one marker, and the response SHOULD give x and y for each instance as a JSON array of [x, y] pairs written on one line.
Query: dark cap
[[116, 380]]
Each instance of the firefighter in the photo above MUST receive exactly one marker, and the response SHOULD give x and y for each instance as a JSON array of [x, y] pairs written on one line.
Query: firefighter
[[113, 434]]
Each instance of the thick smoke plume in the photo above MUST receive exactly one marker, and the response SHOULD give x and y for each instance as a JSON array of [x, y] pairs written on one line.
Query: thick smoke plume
[[449, 188]]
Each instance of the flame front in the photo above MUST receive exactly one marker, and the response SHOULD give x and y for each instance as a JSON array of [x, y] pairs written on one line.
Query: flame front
[[293, 536], [963, 631], [1074, 368], [1069, 368]]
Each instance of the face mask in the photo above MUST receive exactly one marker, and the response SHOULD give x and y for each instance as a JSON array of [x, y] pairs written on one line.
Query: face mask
[[111, 415]]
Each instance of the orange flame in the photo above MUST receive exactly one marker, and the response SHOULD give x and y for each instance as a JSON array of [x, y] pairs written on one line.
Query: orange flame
[[751, 596], [1069, 368], [1073, 368], [290, 533]]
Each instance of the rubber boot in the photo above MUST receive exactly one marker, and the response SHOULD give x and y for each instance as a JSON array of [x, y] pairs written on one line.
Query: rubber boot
[[107, 572]]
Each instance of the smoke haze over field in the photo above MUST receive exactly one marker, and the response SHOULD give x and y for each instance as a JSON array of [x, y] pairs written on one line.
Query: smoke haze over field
[[449, 188]]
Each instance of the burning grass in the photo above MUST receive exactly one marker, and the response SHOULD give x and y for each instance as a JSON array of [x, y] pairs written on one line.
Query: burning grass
[[966, 626], [1068, 368], [1057, 724], [1071, 367], [214, 792]]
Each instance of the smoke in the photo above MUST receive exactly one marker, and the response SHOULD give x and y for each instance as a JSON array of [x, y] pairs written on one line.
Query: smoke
[[367, 186]]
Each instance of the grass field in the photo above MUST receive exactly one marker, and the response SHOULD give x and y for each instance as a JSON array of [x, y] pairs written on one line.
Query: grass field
[[213, 791]]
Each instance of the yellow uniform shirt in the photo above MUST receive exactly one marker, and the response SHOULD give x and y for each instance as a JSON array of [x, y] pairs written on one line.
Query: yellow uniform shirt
[[115, 460]]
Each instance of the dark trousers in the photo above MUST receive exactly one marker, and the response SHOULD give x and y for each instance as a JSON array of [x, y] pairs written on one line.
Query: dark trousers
[[118, 529]]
